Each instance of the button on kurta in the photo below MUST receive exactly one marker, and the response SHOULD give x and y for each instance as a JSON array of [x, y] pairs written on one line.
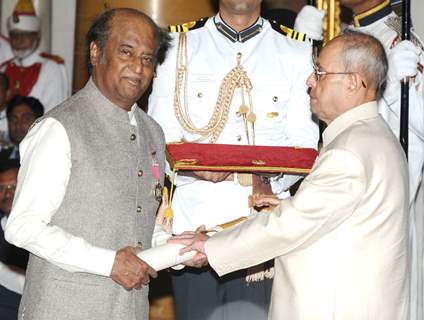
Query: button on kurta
[[139, 209], [275, 98], [133, 136], [200, 95], [140, 173]]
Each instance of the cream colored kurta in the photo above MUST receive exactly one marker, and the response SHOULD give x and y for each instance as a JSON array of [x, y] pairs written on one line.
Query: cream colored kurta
[[341, 243]]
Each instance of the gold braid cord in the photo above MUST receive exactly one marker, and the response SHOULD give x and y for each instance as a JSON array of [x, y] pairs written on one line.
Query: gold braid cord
[[235, 79], [332, 21]]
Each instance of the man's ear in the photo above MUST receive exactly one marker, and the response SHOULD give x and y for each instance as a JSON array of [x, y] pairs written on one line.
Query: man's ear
[[94, 53], [354, 82]]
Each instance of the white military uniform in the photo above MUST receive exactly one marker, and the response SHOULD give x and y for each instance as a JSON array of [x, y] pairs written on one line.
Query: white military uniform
[[277, 67], [5, 50], [380, 24], [51, 86]]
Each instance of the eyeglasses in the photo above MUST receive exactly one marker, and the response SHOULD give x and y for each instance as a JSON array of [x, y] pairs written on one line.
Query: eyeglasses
[[5, 187], [319, 73]]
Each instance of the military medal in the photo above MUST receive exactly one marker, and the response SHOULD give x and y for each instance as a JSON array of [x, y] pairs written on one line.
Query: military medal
[[157, 191]]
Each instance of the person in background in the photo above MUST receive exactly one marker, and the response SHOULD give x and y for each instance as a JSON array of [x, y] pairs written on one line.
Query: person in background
[[406, 59], [30, 71], [341, 242], [13, 260], [21, 113]]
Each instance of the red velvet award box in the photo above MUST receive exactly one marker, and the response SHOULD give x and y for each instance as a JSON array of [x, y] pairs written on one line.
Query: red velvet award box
[[240, 158]]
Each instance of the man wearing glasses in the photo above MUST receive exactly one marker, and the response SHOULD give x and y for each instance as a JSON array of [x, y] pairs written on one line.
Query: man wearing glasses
[[340, 244]]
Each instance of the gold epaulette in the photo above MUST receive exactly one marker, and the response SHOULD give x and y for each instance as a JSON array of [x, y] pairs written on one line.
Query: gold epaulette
[[288, 32], [192, 25], [53, 57]]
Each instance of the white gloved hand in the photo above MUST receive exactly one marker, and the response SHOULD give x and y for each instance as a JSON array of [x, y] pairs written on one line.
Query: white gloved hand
[[309, 21], [403, 61]]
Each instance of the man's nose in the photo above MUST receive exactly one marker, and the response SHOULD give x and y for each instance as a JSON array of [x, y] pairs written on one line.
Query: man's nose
[[311, 81], [137, 65]]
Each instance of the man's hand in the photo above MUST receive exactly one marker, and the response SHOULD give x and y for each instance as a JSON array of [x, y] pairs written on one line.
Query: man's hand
[[309, 21], [403, 61], [258, 200], [193, 241], [212, 175], [129, 271]]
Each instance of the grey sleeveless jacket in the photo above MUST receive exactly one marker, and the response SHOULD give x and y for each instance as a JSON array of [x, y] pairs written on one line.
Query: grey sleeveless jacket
[[109, 202]]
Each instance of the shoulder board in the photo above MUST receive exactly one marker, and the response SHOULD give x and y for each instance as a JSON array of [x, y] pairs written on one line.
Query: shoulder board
[[290, 33], [286, 31], [395, 23], [188, 25], [55, 58]]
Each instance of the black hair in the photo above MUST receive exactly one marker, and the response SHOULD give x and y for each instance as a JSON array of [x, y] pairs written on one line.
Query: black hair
[[8, 164], [34, 104], [100, 30], [4, 81]]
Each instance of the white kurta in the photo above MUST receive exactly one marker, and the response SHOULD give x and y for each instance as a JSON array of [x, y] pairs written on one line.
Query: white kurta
[[278, 68], [42, 181], [389, 108], [341, 242], [51, 87]]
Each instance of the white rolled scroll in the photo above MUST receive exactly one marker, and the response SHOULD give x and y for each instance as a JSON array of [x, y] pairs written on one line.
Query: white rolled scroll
[[165, 256]]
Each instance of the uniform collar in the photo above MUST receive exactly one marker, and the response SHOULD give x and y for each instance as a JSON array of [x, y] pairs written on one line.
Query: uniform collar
[[372, 15], [241, 36], [28, 61], [364, 111]]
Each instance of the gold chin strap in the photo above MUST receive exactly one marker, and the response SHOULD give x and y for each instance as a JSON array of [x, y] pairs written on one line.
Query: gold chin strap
[[236, 79]]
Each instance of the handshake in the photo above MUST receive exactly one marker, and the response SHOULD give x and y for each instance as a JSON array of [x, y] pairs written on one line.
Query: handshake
[[134, 267], [194, 241]]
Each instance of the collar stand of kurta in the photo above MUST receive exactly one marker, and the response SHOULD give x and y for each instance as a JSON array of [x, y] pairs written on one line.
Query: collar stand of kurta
[[372, 15], [241, 36]]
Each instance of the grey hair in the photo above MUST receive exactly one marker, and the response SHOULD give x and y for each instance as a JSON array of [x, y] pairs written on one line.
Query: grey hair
[[364, 54]]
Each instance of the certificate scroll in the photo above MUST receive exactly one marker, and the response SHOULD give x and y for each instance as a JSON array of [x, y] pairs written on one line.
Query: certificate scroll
[[165, 256]]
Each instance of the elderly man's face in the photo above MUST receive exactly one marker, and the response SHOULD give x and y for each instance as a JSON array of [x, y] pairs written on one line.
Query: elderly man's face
[[8, 180], [124, 69], [23, 43], [20, 120], [328, 91]]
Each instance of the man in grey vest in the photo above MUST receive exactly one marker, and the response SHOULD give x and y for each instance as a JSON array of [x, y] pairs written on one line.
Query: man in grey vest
[[88, 186]]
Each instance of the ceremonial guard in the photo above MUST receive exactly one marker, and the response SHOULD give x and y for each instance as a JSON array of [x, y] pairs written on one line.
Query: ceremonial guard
[[234, 78], [32, 72]]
